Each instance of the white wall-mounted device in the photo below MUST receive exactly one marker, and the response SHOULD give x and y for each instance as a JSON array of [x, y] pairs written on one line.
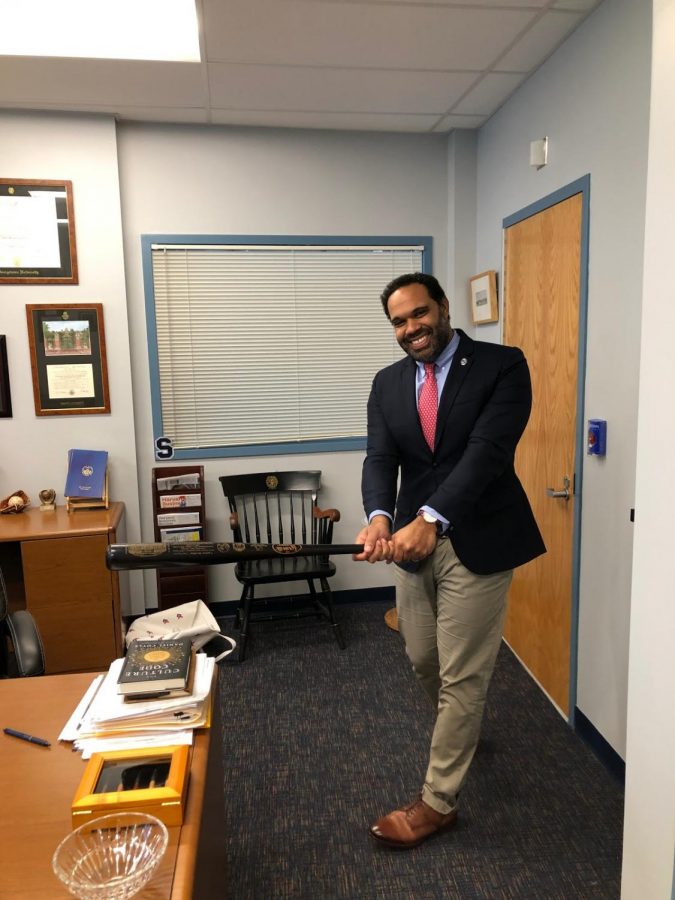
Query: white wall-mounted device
[[539, 153]]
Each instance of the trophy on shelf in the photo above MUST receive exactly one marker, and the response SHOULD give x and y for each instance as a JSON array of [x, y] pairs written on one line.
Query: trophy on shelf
[[47, 497]]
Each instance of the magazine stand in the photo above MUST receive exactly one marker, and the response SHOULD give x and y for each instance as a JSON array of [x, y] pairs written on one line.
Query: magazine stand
[[180, 584]]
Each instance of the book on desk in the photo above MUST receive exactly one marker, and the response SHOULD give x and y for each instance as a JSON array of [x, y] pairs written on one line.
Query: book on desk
[[155, 668], [87, 479]]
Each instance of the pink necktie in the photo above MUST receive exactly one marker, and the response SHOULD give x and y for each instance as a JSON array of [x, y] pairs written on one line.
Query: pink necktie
[[428, 404]]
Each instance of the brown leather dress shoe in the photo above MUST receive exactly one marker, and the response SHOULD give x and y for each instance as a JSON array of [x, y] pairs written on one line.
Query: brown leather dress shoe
[[408, 827]]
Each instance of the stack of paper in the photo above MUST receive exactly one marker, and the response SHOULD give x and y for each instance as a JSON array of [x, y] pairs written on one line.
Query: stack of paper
[[104, 720]]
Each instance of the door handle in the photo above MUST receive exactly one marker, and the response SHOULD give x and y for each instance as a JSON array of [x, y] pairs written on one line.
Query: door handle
[[564, 494]]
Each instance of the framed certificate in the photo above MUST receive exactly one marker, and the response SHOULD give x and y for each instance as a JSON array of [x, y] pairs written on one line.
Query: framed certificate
[[68, 359], [37, 232]]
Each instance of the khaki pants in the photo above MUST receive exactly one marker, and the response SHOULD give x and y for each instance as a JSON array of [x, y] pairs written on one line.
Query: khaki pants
[[451, 621]]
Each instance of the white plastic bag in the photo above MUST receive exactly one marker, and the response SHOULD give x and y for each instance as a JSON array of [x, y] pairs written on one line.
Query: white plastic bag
[[194, 620]]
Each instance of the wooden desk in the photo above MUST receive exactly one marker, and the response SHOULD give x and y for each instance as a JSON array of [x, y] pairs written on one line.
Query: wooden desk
[[54, 566], [37, 785]]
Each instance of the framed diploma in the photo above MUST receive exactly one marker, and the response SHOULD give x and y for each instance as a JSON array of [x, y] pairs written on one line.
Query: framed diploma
[[483, 290], [68, 359], [37, 232]]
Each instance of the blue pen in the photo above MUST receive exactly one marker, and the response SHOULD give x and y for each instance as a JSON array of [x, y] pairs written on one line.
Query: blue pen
[[27, 737]]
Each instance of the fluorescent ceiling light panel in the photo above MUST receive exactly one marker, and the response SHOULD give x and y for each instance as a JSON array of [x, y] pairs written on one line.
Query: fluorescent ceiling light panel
[[117, 29]]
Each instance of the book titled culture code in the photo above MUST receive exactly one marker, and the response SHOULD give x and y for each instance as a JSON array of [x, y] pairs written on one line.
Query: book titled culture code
[[157, 666]]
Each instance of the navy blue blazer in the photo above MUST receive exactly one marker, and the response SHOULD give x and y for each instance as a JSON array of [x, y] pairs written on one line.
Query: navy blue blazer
[[469, 478]]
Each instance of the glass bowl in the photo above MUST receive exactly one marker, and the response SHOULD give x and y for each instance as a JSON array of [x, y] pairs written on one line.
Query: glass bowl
[[111, 857]]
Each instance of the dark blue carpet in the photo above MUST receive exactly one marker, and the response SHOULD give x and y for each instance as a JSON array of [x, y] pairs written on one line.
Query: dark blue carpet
[[318, 742]]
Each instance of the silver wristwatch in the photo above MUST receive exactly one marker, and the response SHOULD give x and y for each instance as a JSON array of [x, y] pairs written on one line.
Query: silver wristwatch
[[432, 520]]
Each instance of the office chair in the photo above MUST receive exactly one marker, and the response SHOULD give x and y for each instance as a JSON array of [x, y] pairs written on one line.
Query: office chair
[[18, 629], [279, 508]]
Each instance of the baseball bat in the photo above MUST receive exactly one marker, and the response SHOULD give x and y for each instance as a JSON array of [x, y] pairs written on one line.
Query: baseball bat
[[206, 553]]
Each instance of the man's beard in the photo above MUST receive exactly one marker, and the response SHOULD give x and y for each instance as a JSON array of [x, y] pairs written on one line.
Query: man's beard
[[439, 340]]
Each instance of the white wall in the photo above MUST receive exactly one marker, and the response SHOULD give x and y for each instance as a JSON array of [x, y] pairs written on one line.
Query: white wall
[[267, 181], [34, 449], [649, 835], [591, 99], [462, 196]]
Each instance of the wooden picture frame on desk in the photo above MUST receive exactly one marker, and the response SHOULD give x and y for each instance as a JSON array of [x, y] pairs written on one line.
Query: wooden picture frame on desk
[[107, 784], [68, 359]]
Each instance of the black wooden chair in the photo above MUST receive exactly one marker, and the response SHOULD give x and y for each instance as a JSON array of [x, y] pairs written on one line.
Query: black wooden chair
[[19, 630], [281, 508]]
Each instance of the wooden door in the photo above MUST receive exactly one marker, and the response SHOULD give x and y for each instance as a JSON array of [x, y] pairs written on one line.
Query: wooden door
[[541, 315]]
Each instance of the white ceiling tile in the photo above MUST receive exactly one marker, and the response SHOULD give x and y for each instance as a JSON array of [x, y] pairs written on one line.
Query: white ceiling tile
[[365, 90], [539, 42], [392, 36], [447, 123], [489, 94], [340, 121], [101, 81], [381, 65]]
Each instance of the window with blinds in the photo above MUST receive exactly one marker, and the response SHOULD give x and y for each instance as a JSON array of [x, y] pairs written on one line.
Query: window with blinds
[[268, 347]]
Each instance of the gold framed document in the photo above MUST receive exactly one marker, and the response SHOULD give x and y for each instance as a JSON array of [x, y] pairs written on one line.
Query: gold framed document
[[483, 289], [68, 358], [37, 232]]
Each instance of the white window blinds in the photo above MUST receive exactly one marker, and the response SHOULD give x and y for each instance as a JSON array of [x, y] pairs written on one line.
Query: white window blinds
[[270, 345]]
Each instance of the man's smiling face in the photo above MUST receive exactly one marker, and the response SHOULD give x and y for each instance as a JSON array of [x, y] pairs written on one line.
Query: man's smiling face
[[421, 325]]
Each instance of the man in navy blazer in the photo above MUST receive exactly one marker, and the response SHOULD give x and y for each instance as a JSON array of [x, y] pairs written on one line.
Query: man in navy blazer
[[457, 525]]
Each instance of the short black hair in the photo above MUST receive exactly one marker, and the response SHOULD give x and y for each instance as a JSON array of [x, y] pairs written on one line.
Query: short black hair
[[432, 285]]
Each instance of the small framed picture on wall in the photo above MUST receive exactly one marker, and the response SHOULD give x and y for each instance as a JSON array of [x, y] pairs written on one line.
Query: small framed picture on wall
[[483, 291]]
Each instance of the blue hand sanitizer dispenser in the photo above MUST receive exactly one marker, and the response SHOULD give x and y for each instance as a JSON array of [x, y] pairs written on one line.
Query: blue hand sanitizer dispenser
[[597, 437]]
